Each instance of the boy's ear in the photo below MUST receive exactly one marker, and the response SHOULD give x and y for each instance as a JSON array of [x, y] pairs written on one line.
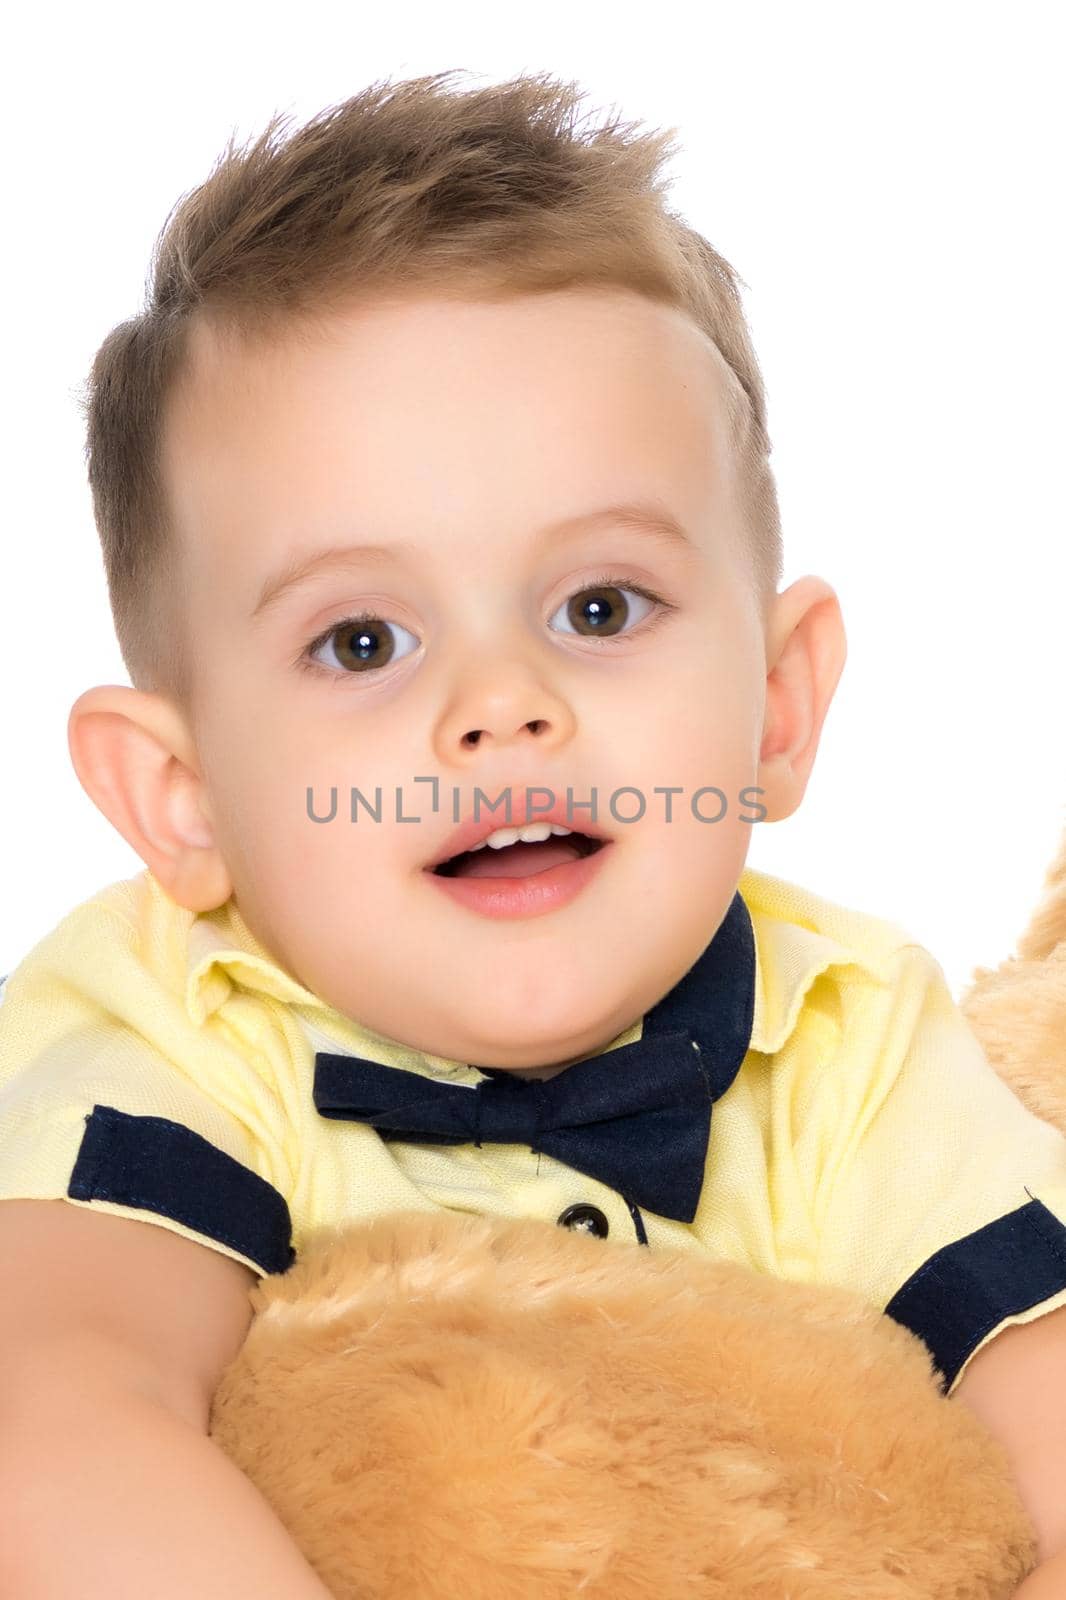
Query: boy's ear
[[805, 653], [136, 761]]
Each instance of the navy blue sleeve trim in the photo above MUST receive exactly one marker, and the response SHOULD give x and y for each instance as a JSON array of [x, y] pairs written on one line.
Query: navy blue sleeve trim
[[159, 1165], [969, 1287]]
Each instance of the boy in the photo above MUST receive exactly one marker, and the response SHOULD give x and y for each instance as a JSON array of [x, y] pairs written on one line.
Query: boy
[[437, 468]]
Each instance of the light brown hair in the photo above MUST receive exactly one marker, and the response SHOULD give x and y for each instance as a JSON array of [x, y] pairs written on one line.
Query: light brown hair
[[408, 186]]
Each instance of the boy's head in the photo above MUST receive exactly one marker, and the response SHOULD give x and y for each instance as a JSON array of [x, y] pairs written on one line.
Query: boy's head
[[449, 327]]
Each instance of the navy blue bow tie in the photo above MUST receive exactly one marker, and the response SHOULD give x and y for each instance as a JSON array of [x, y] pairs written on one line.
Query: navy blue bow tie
[[636, 1118]]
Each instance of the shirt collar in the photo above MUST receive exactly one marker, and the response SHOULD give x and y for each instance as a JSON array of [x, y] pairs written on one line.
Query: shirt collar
[[222, 953], [745, 991], [798, 936]]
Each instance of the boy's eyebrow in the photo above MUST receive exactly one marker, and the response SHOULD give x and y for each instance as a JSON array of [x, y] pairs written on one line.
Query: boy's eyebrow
[[648, 517]]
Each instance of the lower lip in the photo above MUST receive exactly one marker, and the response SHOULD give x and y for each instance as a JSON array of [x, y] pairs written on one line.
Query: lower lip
[[524, 897]]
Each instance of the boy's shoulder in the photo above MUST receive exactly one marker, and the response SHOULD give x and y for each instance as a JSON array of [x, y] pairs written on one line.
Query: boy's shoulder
[[131, 900], [127, 912], [108, 958], [126, 953], [871, 939]]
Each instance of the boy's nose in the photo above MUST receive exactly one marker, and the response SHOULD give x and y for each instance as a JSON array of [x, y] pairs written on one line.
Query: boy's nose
[[502, 710]]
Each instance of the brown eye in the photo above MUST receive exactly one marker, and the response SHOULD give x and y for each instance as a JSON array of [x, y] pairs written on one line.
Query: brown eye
[[361, 644], [602, 611]]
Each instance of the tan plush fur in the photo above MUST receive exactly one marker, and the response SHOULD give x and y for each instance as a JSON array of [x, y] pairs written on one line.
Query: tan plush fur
[[1018, 1009], [450, 1407]]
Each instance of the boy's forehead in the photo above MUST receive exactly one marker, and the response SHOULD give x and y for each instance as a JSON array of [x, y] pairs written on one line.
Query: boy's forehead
[[587, 377], [617, 325]]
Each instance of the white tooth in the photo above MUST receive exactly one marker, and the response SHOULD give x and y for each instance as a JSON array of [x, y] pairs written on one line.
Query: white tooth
[[529, 833]]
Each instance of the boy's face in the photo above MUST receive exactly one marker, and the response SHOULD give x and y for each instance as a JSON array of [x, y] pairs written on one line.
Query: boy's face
[[461, 432]]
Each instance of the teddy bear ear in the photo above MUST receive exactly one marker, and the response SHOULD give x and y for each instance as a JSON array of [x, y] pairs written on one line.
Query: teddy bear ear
[[1047, 926], [1018, 1009], [1015, 1009]]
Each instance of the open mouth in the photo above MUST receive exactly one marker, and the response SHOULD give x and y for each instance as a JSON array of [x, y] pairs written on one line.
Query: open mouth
[[521, 859]]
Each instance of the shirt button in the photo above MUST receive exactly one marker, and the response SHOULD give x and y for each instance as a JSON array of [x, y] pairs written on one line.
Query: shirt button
[[586, 1218]]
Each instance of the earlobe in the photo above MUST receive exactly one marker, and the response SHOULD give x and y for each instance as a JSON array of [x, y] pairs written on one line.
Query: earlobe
[[806, 651], [136, 761]]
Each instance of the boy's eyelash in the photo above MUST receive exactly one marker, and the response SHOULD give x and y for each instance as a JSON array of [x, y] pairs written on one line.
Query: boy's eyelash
[[613, 580], [616, 580]]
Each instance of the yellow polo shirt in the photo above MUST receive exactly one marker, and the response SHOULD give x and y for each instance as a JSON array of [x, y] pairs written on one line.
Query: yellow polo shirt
[[158, 1063]]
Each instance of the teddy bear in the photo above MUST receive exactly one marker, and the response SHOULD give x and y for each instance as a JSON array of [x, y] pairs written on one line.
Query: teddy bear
[[446, 1406]]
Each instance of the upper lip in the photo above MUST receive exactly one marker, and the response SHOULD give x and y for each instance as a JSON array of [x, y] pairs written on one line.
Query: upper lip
[[471, 833]]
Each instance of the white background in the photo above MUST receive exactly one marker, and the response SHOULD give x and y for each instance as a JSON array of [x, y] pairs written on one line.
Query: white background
[[887, 181]]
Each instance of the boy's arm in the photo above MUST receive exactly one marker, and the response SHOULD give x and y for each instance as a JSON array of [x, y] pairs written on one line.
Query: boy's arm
[[106, 1493], [113, 1336], [1016, 1386], [941, 1197], [1046, 1582]]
